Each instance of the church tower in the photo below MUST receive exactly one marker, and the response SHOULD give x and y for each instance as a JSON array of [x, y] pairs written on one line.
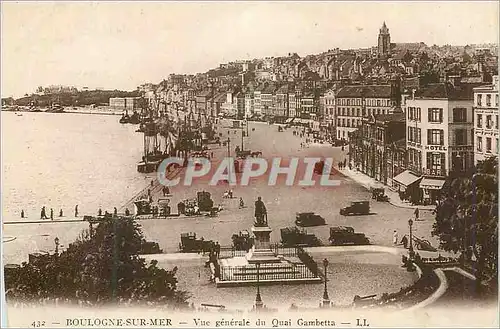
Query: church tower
[[384, 42]]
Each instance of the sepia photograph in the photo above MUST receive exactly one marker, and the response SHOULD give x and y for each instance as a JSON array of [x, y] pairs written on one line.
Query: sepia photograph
[[249, 164]]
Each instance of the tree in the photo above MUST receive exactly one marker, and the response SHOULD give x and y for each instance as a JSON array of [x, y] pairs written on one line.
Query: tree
[[467, 218], [101, 267]]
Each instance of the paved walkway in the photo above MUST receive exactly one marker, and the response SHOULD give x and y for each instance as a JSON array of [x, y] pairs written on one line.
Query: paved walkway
[[369, 182]]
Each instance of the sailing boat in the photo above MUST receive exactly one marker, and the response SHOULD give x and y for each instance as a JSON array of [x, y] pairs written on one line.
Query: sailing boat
[[125, 117]]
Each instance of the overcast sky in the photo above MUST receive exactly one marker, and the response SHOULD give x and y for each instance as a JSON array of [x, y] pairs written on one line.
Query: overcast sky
[[122, 45]]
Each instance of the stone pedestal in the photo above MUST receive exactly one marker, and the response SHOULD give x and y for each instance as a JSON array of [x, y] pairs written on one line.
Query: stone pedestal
[[261, 251]]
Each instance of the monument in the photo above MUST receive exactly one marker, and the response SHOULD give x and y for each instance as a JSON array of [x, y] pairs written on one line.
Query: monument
[[261, 252], [263, 264]]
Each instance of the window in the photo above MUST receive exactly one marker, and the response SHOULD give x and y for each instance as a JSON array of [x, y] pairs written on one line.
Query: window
[[435, 115], [364, 112], [459, 115], [479, 143], [461, 137], [496, 100], [488, 100], [419, 136], [343, 123], [488, 144], [479, 100], [338, 123], [479, 121], [489, 122], [358, 112], [435, 162], [435, 137]]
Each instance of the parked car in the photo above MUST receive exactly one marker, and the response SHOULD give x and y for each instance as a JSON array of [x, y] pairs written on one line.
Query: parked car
[[309, 219], [356, 208], [345, 235], [293, 236]]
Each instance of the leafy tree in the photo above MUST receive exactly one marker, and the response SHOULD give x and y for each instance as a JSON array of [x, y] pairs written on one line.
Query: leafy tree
[[467, 218], [101, 267]]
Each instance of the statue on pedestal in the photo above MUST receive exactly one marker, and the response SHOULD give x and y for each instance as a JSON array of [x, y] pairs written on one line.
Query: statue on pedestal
[[260, 213]]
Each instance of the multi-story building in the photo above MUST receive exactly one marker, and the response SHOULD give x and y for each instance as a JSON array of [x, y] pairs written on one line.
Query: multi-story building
[[124, 103], [267, 99], [355, 102], [439, 136], [486, 121], [249, 109], [257, 99], [202, 100], [281, 104], [329, 113], [370, 145], [309, 105], [292, 103]]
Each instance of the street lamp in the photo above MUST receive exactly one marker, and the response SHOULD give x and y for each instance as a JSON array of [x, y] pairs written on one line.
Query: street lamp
[[411, 252], [326, 299], [56, 241], [258, 299]]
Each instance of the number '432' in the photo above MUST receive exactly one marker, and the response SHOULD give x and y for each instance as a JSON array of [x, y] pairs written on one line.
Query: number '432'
[[38, 324]]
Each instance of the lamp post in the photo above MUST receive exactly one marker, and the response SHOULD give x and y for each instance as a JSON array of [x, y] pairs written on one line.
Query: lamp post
[[258, 298], [56, 241], [411, 252], [326, 299]]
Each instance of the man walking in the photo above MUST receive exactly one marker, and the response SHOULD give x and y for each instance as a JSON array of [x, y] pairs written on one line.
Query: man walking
[[395, 237]]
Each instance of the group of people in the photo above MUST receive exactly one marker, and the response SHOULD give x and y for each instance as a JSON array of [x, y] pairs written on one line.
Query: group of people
[[43, 213], [343, 164]]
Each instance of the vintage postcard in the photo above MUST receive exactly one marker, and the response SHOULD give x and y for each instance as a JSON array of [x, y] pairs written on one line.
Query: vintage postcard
[[249, 164]]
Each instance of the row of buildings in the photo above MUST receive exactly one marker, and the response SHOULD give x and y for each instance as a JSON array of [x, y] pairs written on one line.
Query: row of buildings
[[443, 128]]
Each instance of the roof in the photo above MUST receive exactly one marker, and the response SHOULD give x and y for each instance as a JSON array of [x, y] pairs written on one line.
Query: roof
[[395, 117], [447, 91], [367, 91]]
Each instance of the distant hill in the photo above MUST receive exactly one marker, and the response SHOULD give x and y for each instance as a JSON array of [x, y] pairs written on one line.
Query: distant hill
[[81, 98]]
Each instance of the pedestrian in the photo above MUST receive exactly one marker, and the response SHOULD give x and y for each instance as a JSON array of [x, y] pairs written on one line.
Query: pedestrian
[[60, 213], [51, 214], [152, 183], [217, 249], [344, 164], [149, 192], [22, 213], [404, 241], [76, 211], [115, 212], [99, 212], [42, 213], [127, 212], [416, 213], [395, 237]]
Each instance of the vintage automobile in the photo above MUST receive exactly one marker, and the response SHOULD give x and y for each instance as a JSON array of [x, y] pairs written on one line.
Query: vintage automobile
[[189, 243], [242, 241], [205, 202], [356, 208], [345, 235], [379, 195], [293, 236], [305, 219]]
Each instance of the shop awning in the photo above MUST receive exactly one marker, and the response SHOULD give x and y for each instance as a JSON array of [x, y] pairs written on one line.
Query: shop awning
[[432, 184], [406, 178]]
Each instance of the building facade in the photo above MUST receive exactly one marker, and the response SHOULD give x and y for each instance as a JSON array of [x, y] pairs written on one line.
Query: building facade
[[353, 103], [371, 144], [439, 123], [486, 121], [124, 103]]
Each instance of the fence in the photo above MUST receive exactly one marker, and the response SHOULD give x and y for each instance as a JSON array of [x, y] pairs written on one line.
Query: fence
[[228, 252], [308, 261], [266, 272]]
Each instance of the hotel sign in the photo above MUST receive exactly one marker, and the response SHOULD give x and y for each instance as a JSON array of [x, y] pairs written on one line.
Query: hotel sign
[[436, 147], [462, 148]]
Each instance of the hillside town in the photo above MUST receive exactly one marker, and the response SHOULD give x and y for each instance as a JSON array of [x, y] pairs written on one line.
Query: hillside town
[[379, 100]]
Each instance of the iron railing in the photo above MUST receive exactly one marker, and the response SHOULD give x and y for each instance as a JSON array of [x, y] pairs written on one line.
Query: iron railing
[[266, 272]]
